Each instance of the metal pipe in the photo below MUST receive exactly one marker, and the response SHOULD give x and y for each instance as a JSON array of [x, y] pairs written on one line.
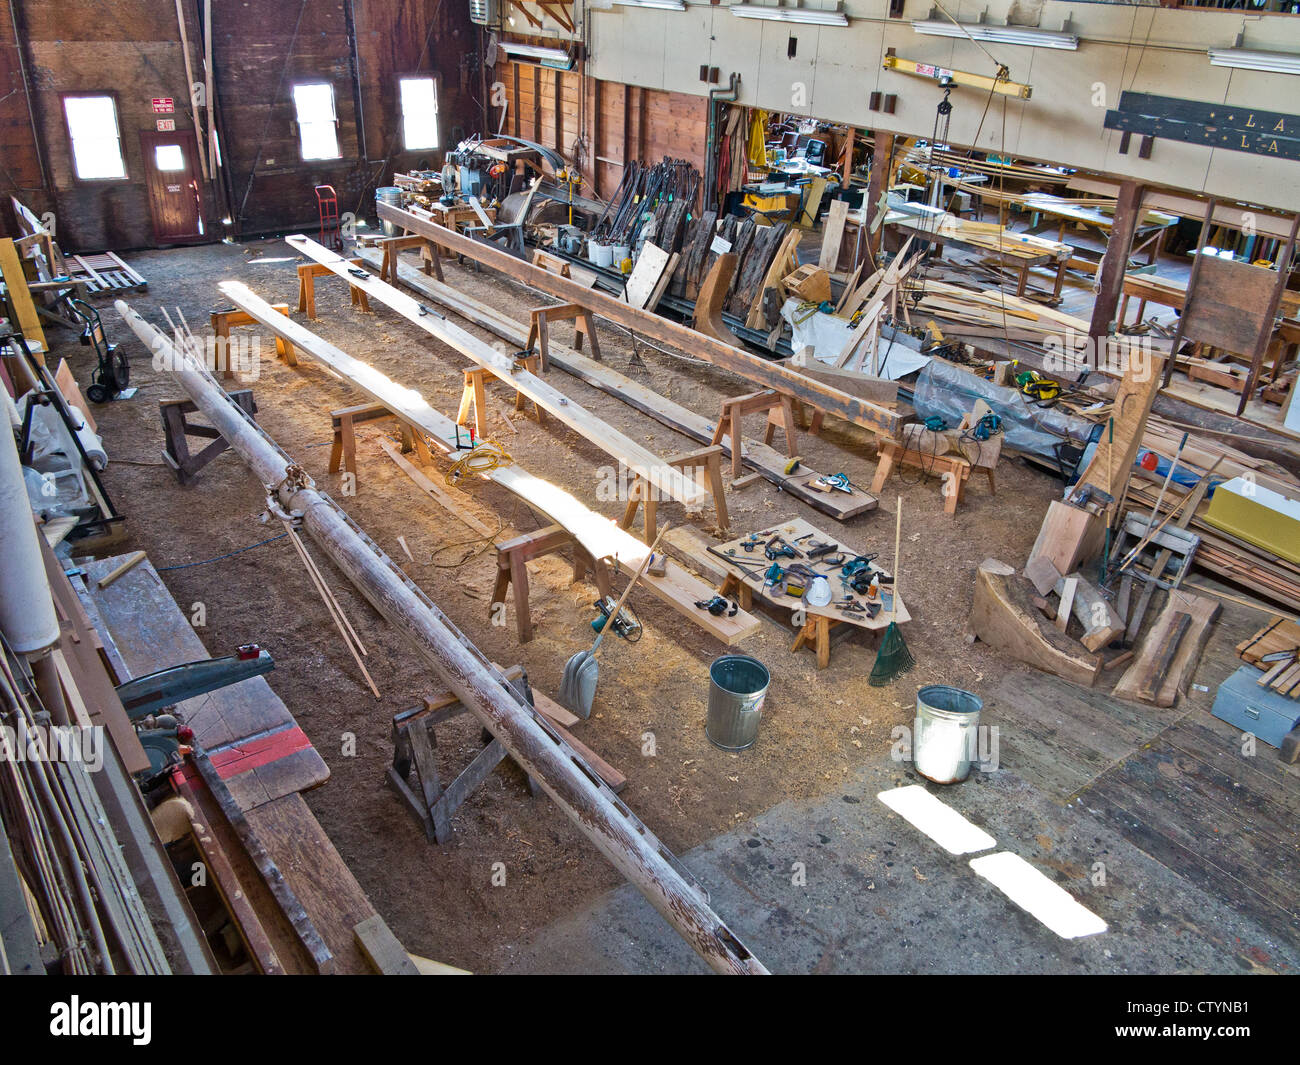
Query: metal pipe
[[462, 668]]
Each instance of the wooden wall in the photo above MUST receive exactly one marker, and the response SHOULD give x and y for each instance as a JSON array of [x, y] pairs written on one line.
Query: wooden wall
[[260, 48], [599, 124]]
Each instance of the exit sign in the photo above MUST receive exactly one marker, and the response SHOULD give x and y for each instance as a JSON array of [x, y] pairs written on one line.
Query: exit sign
[[163, 105], [166, 125]]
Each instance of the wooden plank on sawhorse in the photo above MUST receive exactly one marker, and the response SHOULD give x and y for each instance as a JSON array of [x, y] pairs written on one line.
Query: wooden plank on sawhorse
[[539, 329], [780, 412], [512, 555], [343, 450], [307, 274], [223, 320], [432, 262], [708, 459], [473, 399], [177, 426]]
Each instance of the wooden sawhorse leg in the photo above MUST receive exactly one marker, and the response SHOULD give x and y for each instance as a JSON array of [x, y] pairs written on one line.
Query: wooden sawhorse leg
[[816, 633], [734, 588], [512, 572]]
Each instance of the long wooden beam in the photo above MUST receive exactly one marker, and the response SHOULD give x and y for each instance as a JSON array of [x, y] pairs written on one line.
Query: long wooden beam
[[535, 746], [751, 367], [670, 482], [755, 454], [599, 535]]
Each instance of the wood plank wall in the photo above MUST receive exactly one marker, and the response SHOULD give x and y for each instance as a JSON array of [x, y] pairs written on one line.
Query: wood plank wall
[[621, 121], [132, 47]]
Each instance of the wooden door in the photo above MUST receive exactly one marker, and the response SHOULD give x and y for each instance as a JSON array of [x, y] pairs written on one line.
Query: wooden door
[[172, 180]]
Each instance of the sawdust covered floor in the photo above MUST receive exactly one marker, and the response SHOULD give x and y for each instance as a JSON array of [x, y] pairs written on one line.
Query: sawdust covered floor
[[819, 727]]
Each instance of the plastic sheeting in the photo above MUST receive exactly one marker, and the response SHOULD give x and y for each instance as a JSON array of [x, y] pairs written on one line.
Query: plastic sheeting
[[826, 335], [949, 392]]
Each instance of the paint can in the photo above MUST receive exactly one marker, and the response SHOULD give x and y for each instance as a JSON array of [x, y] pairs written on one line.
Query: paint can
[[737, 689], [944, 737], [599, 254]]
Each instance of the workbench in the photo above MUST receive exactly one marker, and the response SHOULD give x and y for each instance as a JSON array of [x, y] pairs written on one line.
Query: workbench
[[1015, 252], [744, 580]]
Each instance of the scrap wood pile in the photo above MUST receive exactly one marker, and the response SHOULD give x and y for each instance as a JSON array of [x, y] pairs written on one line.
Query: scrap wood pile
[[991, 312], [760, 252], [1275, 649]]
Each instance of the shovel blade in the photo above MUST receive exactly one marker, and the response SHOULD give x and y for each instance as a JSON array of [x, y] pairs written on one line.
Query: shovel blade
[[578, 686]]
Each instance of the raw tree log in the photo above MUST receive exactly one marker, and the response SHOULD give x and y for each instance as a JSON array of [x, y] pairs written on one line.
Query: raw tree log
[[1004, 616], [762, 372], [464, 670]]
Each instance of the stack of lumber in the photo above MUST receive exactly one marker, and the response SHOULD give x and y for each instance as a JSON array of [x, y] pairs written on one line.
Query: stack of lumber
[[1220, 552], [758, 249], [1280, 640], [993, 312]]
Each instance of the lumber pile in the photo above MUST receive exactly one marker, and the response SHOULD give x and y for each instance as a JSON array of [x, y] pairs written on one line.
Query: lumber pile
[[1276, 650], [1164, 664]]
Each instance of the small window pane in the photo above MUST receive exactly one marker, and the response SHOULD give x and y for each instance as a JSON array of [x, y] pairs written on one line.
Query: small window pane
[[96, 146], [317, 132], [419, 113], [168, 157]]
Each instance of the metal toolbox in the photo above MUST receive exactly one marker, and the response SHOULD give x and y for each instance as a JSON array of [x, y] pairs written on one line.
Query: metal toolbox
[[1261, 711]]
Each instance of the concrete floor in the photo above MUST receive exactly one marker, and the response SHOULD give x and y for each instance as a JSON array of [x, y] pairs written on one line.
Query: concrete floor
[[881, 897]]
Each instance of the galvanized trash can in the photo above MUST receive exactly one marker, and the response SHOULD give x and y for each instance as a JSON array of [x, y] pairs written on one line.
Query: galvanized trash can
[[392, 196], [945, 736], [737, 687]]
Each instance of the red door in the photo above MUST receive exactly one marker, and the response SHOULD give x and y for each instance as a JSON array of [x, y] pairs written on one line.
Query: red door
[[172, 179]]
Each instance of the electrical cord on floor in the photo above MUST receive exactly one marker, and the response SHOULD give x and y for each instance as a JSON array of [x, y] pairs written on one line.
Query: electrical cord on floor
[[483, 459], [219, 558]]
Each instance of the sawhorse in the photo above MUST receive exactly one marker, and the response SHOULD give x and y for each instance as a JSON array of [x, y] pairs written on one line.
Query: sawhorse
[[414, 740], [223, 320], [709, 459], [177, 426], [431, 261], [512, 555], [307, 274], [343, 422], [474, 397], [780, 413], [539, 329], [955, 471]]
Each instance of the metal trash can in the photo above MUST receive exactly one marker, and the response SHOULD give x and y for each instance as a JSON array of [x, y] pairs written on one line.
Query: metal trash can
[[392, 196], [737, 687], [945, 735]]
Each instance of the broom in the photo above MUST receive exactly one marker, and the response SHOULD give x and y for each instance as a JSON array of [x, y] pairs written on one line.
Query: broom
[[893, 659]]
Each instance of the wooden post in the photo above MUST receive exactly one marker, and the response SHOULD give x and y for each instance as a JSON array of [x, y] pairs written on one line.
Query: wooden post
[[1265, 334], [1110, 276], [539, 751], [882, 163], [1191, 288]]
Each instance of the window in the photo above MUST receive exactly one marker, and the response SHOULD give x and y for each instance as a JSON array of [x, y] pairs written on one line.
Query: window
[[419, 100], [168, 157], [318, 135], [96, 142]]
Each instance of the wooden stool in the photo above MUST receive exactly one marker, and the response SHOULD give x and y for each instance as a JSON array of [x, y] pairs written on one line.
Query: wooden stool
[[430, 260], [512, 556], [952, 467], [474, 397], [223, 320], [343, 451], [780, 412], [307, 274], [709, 459], [177, 426], [539, 319]]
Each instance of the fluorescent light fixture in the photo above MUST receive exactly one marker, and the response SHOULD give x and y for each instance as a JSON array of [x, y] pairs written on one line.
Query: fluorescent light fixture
[[980, 31], [937, 819], [1244, 59], [663, 5], [1034, 892], [808, 15], [547, 57]]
